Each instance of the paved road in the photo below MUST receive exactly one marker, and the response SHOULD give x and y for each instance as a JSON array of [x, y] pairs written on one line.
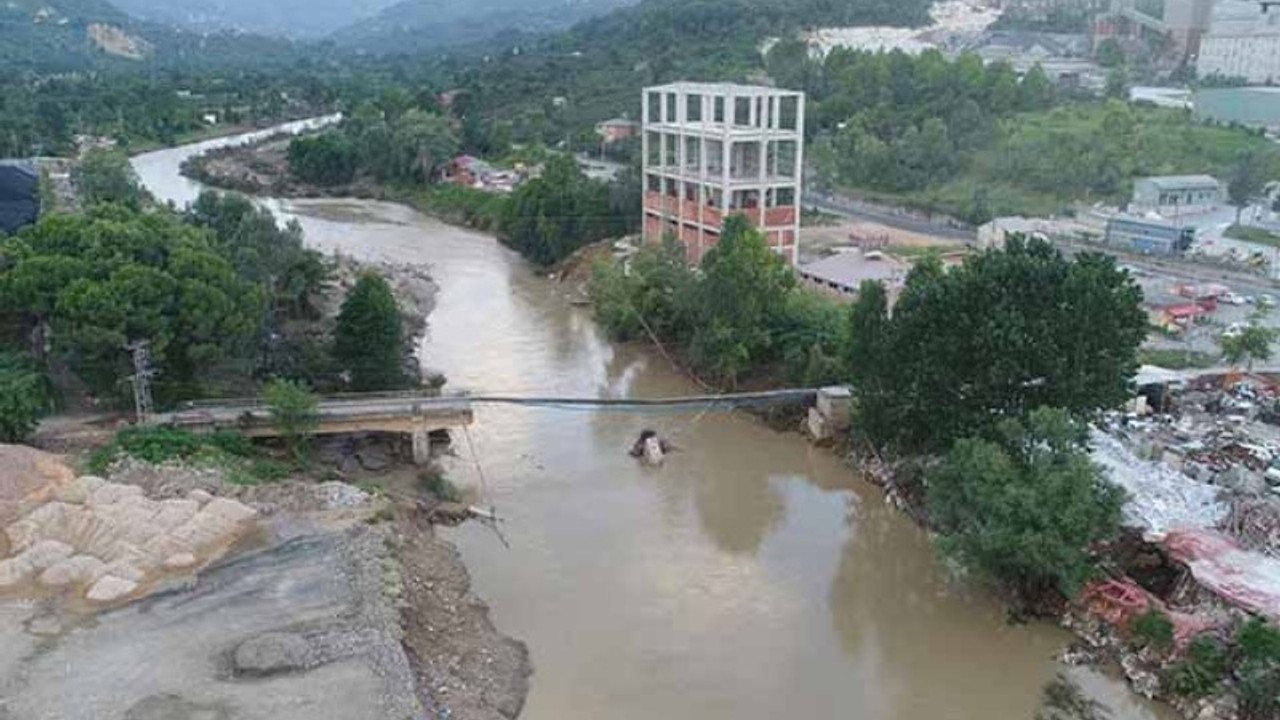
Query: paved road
[[873, 213]]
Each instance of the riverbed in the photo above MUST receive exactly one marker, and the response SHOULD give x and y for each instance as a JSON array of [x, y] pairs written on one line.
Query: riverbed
[[753, 576]]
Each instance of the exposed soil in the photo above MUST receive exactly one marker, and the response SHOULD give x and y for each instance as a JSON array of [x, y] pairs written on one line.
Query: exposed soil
[[331, 613], [262, 168], [467, 669]]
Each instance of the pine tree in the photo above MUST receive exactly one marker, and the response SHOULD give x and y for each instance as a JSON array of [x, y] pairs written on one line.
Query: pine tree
[[369, 340]]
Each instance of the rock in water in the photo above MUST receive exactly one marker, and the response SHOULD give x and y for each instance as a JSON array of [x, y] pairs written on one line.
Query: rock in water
[[653, 454]]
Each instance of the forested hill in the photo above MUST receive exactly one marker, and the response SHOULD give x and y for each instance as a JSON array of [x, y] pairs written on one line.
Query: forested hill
[[297, 19], [52, 36], [599, 65], [417, 25]]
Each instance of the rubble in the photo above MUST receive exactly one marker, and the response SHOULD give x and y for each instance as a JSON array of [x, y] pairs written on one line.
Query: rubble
[[101, 538]]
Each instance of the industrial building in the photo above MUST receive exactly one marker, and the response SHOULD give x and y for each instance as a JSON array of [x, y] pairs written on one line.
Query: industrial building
[[1149, 237], [715, 150], [1174, 195], [1243, 42]]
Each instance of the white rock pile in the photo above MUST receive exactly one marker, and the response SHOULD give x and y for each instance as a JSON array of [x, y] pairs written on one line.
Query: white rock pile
[[107, 539]]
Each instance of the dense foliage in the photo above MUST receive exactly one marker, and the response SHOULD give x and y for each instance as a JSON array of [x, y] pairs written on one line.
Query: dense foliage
[[975, 140], [550, 216], [325, 159], [100, 281], [1026, 506], [106, 176], [24, 396], [1008, 331], [741, 314], [369, 343]]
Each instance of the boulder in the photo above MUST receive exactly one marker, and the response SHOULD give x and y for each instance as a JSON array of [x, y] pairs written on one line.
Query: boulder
[[28, 475], [78, 570], [110, 493], [200, 497], [13, 573], [179, 561], [273, 653], [110, 588], [46, 553], [374, 458]]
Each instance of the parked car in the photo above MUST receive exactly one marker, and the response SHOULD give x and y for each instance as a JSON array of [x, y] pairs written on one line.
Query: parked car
[[1232, 299], [1234, 330]]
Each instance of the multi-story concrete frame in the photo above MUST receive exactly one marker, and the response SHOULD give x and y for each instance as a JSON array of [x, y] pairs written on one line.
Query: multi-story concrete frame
[[714, 150]]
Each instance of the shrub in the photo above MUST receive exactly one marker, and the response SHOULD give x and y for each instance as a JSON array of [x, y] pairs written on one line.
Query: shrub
[[1258, 670], [436, 484], [1026, 509], [1202, 672], [293, 413], [1153, 629]]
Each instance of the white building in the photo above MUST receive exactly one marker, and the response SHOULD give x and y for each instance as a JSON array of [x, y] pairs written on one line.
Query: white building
[[1174, 195], [715, 150], [1243, 45]]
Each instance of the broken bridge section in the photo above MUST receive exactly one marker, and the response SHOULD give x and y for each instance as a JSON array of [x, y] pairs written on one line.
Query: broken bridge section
[[415, 415]]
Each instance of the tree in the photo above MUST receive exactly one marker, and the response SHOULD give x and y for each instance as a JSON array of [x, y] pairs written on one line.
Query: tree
[[1025, 506], [1250, 344], [294, 413], [1247, 180], [326, 159], [104, 176], [424, 143], [369, 343], [23, 397], [744, 287], [92, 283], [1109, 53], [550, 217], [1009, 331], [1117, 86], [870, 346]]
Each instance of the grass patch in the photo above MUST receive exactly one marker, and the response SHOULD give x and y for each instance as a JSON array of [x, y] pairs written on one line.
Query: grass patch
[[1177, 359], [436, 484], [243, 462], [1153, 629], [1254, 235], [1202, 672]]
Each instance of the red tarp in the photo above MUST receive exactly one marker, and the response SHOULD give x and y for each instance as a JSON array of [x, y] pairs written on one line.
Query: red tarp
[[1119, 602], [1246, 579]]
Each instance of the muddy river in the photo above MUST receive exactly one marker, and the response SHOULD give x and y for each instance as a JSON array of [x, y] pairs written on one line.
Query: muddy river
[[752, 577]]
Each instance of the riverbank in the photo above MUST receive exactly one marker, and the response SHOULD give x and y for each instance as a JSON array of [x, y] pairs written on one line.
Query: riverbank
[[262, 168]]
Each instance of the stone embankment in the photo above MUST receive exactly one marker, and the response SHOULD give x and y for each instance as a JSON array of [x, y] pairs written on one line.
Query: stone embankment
[[175, 595]]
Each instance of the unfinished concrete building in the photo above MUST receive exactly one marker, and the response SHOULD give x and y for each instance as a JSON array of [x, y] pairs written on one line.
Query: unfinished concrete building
[[714, 150]]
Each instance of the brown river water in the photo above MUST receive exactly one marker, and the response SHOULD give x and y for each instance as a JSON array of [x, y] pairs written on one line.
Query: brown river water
[[753, 577]]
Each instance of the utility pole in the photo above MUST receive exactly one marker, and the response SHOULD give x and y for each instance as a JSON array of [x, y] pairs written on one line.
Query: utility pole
[[141, 380]]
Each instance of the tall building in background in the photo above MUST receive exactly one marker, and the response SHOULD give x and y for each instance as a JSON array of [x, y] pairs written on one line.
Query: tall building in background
[[1244, 42], [714, 150]]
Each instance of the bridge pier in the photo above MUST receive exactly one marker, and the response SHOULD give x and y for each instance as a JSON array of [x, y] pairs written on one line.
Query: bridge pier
[[421, 444]]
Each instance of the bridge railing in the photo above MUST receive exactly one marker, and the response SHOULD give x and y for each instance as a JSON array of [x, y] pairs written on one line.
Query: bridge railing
[[225, 403]]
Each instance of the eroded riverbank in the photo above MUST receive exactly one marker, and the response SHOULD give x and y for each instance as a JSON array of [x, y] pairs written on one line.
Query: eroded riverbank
[[752, 577]]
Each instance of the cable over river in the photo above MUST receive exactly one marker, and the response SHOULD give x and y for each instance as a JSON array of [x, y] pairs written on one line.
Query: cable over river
[[753, 577]]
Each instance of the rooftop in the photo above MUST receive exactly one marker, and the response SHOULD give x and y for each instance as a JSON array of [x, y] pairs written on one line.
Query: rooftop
[[1175, 182], [722, 89], [850, 269]]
